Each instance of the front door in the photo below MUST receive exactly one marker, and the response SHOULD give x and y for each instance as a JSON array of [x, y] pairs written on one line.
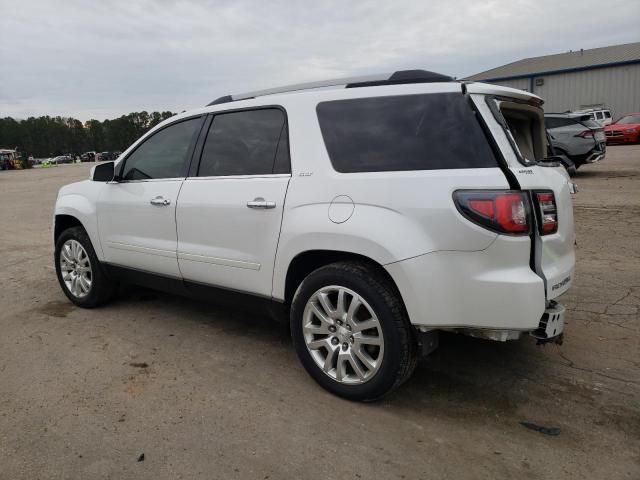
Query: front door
[[137, 213], [229, 213]]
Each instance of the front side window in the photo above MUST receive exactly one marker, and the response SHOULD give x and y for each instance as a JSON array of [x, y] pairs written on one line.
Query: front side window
[[163, 155], [410, 132], [250, 142]]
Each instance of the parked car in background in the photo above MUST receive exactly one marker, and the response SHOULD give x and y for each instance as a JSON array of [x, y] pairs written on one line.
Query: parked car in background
[[576, 136], [394, 214], [104, 157], [61, 159], [602, 116], [88, 157], [624, 130]]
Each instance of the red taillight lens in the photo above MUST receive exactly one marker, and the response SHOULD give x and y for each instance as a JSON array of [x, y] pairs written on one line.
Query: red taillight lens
[[501, 211], [548, 212], [486, 208]]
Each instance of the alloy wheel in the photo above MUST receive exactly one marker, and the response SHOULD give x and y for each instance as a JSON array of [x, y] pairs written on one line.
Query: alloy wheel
[[343, 335], [75, 268]]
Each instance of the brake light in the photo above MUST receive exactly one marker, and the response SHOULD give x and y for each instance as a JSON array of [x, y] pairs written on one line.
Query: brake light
[[500, 211], [585, 134], [548, 212]]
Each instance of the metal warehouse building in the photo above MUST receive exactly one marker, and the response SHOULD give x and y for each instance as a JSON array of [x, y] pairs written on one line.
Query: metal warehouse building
[[600, 77]]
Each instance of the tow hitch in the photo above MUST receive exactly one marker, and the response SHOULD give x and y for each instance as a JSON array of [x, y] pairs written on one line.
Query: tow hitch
[[551, 325]]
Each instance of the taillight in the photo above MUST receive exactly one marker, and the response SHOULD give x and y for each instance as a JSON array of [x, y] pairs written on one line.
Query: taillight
[[548, 212], [585, 134], [501, 211]]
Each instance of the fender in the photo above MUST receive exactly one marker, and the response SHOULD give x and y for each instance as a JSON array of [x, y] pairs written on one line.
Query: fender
[[77, 204]]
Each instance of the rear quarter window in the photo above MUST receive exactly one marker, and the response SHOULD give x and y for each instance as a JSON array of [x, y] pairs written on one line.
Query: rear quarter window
[[410, 132]]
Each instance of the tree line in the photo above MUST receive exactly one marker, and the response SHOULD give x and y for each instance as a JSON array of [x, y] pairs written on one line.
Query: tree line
[[51, 136]]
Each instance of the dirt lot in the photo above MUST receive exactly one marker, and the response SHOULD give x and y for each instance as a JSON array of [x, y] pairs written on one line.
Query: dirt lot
[[209, 393]]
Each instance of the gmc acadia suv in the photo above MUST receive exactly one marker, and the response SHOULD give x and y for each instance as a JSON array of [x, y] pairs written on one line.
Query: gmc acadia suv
[[374, 212]]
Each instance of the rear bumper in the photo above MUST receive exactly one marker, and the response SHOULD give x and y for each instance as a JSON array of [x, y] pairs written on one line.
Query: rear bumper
[[595, 157], [490, 289], [550, 328]]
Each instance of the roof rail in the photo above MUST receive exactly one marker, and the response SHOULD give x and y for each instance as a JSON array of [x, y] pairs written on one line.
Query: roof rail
[[395, 78]]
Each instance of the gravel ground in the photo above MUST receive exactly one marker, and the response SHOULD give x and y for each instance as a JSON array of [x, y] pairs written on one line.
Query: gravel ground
[[205, 392]]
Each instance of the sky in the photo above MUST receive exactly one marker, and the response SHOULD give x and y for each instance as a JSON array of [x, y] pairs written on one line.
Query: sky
[[105, 58]]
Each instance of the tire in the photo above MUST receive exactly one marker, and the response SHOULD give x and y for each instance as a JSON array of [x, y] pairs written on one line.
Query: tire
[[388, 364], [101, 288]]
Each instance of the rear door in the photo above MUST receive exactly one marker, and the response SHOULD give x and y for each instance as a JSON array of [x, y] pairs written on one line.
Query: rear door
[[230, 210], [517, 124]]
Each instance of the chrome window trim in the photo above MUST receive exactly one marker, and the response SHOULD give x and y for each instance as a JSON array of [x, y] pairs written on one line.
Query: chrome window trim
[[172, 179], [241, 177]]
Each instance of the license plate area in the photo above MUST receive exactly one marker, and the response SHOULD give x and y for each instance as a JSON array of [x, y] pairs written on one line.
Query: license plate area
[[551, 324]]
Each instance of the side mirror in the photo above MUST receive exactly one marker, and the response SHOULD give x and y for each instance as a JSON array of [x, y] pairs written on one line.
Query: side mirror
[[105, 172]]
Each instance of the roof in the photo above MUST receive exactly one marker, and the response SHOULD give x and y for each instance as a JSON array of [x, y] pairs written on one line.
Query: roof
[[394, 78], [562, 62]]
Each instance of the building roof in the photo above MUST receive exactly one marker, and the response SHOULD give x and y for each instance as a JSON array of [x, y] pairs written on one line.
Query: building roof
[[562, 62]]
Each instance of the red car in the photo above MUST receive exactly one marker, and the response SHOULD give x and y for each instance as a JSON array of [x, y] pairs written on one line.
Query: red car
[[624, 130]]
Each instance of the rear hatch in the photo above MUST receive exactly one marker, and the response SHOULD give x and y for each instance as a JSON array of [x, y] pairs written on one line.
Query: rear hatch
[[593, 130], [516, 121]]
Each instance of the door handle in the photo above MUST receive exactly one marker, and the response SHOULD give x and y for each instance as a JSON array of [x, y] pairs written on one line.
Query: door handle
[[160, 200], [261, 203]]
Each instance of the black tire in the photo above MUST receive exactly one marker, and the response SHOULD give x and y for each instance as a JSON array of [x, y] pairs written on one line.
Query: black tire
[[103, 288], [400, 347]]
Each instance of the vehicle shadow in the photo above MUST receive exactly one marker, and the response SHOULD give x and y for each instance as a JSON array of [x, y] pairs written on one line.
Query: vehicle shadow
[[464, 376], [584, 174], [471, 376]]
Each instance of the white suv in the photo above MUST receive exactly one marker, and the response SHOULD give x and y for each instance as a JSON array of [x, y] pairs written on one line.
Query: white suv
[[602, 116], [372, 212]]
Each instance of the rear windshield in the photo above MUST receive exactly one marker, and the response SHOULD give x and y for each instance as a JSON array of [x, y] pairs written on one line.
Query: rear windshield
[[558, 122], [409, 132], [629, 119], [591, 124]]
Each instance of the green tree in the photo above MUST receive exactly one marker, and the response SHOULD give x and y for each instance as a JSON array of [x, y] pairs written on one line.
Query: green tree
[[48, 136]]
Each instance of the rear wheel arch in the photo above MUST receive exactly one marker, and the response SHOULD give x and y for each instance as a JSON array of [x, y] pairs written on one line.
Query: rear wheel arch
[[306, 262]]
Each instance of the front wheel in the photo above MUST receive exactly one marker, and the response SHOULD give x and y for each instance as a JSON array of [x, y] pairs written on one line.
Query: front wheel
[[351, 331], [79, 272]]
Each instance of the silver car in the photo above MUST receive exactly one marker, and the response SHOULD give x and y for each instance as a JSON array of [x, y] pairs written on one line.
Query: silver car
[[577, 137]]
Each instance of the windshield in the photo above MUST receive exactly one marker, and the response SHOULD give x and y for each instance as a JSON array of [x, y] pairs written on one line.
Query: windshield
[[628, 119]]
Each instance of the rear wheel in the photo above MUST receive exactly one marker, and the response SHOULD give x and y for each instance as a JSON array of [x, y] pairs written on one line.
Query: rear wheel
[[351, 331], [79, 272]]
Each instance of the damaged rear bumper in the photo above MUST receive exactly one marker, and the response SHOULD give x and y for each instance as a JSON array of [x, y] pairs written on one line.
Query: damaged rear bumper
[[550, 328]]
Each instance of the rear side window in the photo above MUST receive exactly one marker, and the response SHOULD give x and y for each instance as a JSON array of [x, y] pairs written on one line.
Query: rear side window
[[246, 143], [410, 132], [163, 155], [607, 114]]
